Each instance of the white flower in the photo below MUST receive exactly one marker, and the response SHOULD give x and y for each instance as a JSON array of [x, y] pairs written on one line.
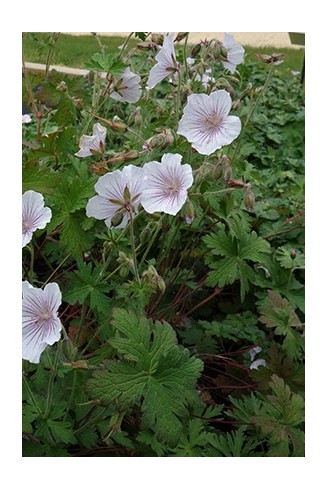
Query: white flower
[[34, 214], [206, 123], [205, 78], [254, 351], [41, 325], [166, 184], [190, 61], [119, 194], [256, 364], [166, 62], [26, 118], [235, 53], [127, 88], [92, 144]]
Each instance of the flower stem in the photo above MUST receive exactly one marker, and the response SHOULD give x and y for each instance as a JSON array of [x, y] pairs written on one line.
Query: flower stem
[[125, 44], [133, 248], [36, 406], [177, 100], [185, 54], [30, 274], [57, 268], [51, 381], [83, 314]]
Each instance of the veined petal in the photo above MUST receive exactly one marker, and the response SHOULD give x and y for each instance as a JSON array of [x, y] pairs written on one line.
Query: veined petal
[[100, 207], [157, 74]]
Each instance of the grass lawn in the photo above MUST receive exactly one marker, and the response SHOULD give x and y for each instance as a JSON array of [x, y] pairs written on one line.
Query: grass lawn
[[75, 51]]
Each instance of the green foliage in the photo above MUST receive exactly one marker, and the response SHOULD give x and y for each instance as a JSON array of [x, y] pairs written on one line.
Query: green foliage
[[277, 313], [238, 249], [156, 374], [126, 378]]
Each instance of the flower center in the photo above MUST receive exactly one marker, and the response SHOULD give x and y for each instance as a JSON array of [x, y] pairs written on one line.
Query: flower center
[[45, 315], [213, 121]]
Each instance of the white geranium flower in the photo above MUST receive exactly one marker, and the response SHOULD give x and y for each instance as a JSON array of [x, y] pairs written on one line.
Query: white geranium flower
[[256, 364], [166, 62], [34, 214], [205, 78], [26, 118], [89, 145], [206, 123], [127, 88], [190, 61], [166, 184], [119, 193], [254, 351], [235, 53], [41, 325]]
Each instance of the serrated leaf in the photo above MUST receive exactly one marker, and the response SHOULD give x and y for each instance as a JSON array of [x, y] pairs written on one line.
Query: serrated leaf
[[40, 179], [61, 431], [157, 374]]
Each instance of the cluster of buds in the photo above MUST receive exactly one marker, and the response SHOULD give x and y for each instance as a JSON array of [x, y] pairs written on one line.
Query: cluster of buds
[[154, 279], [99, 168], [274, 58], [222, 168], [161, 140], [222, 83]]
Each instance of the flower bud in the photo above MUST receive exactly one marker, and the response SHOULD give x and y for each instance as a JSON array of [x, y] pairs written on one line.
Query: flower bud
[[160, 283], [223, 52], [62, 87], [145, 235], [274, 58], [236, 105], [293, 253], [189, 212], [68, 349], [137, 117], [227, 172], [79, 104], [117, 218], [248, 91], [216, 49], [249, 200], [195, 50], [145, 46], [99, 168], [181, 35], [157, 38]]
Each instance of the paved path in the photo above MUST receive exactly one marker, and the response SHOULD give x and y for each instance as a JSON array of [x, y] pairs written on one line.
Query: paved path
[[256, 39]]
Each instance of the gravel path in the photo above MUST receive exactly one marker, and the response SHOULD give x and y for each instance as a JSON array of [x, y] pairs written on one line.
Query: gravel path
[[256, 39]]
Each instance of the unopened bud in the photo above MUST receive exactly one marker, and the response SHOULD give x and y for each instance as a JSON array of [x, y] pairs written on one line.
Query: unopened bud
[[62, 87], [223, 52], [99, 168], [145, 46], [216, 49], [189, 212], [115, 124], [181, 35], [274, 58], [293, 253], [117, 218], [248, 90], [195, 50], [236, 105], [79, 104], [145, 235], [137, 117], [157, 38], [249, 200], [160, 283], [227, 172]]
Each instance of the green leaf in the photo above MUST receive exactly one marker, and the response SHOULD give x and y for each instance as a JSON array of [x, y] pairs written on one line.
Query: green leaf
[[40, 179], [61, 431], [237, 248], [155, 373]]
